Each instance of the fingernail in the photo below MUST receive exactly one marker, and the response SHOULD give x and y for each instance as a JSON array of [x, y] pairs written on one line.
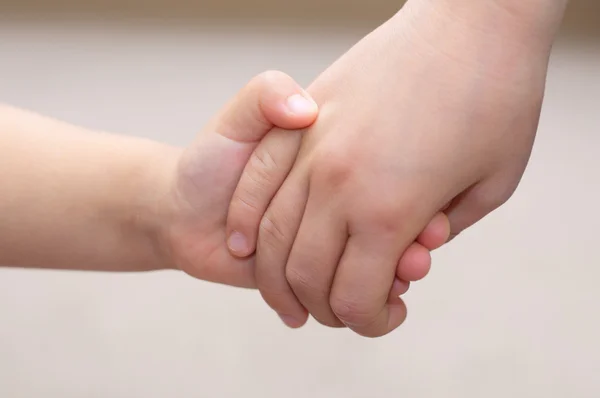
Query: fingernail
[[290, 321], [300, 105], [237, 243]]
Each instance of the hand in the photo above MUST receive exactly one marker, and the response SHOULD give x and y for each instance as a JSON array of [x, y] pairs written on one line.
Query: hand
[[205, 176], [426, 113]]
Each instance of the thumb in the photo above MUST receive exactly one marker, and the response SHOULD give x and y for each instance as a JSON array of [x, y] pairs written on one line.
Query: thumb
[[271, 99], [476, 203], [211, 166]]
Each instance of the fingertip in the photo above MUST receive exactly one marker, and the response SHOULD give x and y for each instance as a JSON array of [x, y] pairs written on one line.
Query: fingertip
[[241, 226], [415, 263], [302, 106], [293, 112], [436, 233], [446, 231], [391, 318], [397, 313], [399, 288], [285, 103], [294, 322], [239, 245]]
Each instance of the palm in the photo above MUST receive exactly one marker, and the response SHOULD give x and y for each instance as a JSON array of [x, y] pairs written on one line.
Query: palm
[[207, 176]]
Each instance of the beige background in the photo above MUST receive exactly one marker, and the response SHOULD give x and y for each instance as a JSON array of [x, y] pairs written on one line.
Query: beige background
[[510, 309]]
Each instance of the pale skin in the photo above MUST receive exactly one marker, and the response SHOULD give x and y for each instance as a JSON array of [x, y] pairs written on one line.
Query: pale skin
[[75, 199], [85, 200], [437, 109], [79, 199]]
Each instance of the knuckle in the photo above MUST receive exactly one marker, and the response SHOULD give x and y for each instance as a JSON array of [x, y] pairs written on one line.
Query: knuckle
[[274, 75], [388, 215], [353, 311], [270, 231], [245, 200], [333, 167], [258, 178], [269, 78], [254, 193], [263, 164], [305, 285]]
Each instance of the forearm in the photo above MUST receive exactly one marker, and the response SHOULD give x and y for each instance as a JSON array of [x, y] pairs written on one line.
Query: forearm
[[533, 21], [75, 199]]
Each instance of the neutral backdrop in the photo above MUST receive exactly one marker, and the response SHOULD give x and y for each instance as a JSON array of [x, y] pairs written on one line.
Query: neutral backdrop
[[510, 309]]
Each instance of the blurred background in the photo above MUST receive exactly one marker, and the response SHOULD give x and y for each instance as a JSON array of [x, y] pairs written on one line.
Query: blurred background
[[510, 309]]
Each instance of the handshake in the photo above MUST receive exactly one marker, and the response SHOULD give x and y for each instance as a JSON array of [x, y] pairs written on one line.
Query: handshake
[[328, 200], [247, 211], [420, 133]]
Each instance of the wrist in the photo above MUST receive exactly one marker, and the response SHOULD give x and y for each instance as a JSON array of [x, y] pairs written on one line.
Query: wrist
[[149, 208], [78, 199]]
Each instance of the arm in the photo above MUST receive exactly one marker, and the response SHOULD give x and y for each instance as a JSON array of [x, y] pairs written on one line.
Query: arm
[[77, 199], [532, 22], [73, 198], [437, 109]]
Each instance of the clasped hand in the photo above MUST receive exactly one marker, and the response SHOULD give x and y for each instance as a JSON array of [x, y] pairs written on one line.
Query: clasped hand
[[420, 117]]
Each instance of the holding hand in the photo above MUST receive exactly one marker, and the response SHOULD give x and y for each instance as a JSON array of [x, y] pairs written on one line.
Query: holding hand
[[76, 199], [435, 110], [206, 173]]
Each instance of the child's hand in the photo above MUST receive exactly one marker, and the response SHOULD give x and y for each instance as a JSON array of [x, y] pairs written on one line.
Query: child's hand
[[264, 174], [422, 113], [207, 174]]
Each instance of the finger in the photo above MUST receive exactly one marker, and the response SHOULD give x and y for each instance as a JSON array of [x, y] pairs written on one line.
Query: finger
[[399, 288], [276, 235], [363, 282], [313, 260], [414, 264], [223, 149], [436, 233], [265, 172], [472, 205], [270, 99], [225, 146]]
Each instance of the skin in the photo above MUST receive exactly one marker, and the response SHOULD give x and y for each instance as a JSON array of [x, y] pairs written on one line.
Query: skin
[[79, 199], [437, 109]]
